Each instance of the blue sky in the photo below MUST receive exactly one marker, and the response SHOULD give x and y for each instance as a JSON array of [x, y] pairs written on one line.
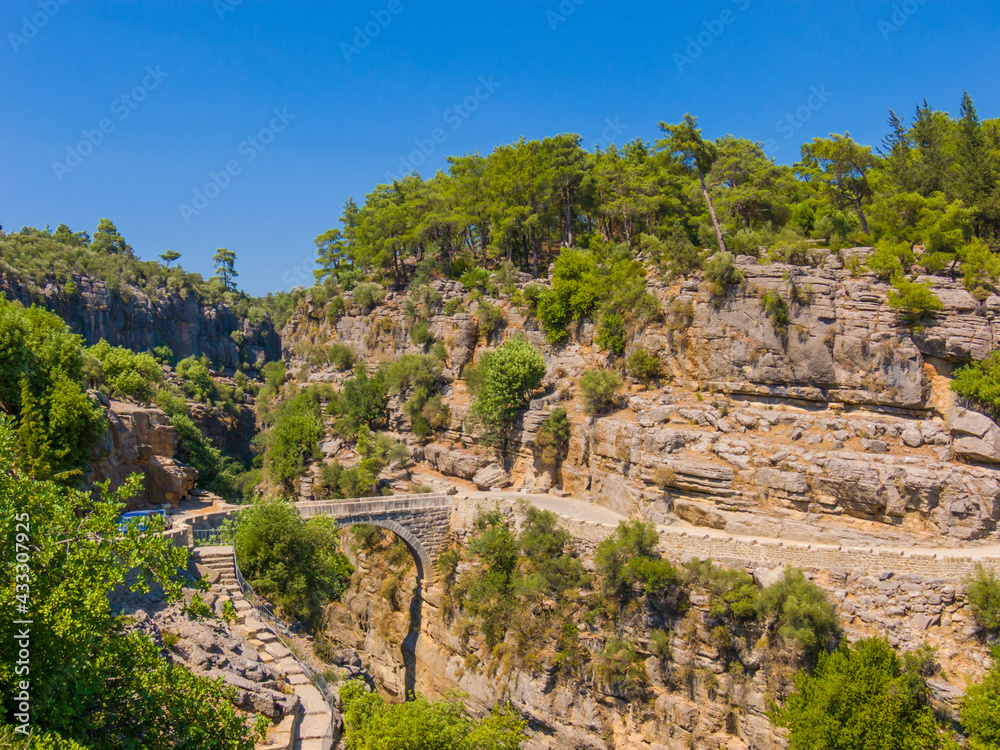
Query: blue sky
[[264, 99]]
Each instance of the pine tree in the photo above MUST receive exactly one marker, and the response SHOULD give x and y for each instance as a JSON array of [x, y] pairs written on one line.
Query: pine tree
[[32, 437], [225, 268]]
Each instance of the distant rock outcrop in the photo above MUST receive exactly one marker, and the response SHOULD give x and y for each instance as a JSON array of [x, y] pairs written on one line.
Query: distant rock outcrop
[[129, 317]]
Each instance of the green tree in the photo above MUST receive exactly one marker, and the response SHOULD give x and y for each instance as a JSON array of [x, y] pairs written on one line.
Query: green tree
[[169, 257], [980, 709], [859, 697], [840, 167], [108, 240], [295, 563], [332, 251], [225, 268], [508, 375], [983, 590], [600, 390], [804, 613], [685, 143]]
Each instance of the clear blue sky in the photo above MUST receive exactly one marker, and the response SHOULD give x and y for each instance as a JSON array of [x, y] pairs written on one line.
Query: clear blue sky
[[220, 70]]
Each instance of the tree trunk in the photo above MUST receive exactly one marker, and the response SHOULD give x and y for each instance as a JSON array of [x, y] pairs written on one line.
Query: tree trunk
[[711, 210], [861, 216]]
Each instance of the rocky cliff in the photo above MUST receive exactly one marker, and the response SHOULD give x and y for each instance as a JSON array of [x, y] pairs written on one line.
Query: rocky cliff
[[142, 441], [837, 423], [705, 688], [128, 317]]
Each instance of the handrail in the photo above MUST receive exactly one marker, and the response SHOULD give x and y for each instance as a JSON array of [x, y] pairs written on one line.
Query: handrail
[[275, 624]]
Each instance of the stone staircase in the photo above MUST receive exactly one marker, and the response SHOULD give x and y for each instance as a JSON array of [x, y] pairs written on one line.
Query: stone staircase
[[310, 728]]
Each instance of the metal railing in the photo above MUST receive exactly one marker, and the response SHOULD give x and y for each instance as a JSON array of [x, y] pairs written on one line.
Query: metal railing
[[213, 537], [277, 626]]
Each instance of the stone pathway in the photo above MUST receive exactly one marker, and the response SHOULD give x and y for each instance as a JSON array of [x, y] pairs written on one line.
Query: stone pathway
[[311, 728]]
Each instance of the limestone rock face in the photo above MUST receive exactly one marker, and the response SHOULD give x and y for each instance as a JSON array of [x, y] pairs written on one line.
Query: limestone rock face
[[132, 319], [142, 440]]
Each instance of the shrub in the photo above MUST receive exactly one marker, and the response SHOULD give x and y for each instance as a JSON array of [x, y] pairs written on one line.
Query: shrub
[[475, 278], [293, 437], [776, 308], [858, 697], [454, 305], [664, 477], [372, 722], [420, 334], [890, 259], [804, 613], [982, 587], [368, 295], [914, 299], [600, 390], [980, 269], [553, 437], [197, 382], [721, 273], [632, 539], [659, 644], [198, 609], [979, 383], [163, 355], [491, 319], [734, 593], [619, 667], [229, 613], [217, 472], [341, 356], [611, 333], [363, 402], [170, 639], [643, 366]]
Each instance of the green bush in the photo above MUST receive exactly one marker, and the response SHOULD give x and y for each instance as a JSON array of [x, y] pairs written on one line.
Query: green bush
[[859, 697], [367, 295], [982, 587], [491, 319], [363, 401], [979, 383], [217, 472], [41, 368], [734, 593], [776, 308], [296, 564], [371, 722], [293, 437], [600, 390], [420, 334], [913, 298], [890, 259], [631, 540], [721, 273], [643, 366], [553, 437], [805, 615], [125, 373], [341, 356], [611, 333]]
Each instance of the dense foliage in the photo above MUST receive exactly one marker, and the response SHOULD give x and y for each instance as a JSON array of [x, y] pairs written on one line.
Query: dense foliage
[[506, 377], [296, 564], [91, 682], [41, 386], [979, 383], [980, 710], [859, 697], [983, 589], [374, 724]]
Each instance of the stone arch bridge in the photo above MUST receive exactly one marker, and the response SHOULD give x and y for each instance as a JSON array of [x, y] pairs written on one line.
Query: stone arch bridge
[[421, 521]]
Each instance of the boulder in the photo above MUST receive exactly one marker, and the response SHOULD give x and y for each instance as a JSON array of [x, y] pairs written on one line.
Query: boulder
[[698, 515], [491, 476], [976, 436]]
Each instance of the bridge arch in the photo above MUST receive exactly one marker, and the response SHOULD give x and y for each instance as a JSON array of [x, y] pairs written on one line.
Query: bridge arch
[[420, 555]]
